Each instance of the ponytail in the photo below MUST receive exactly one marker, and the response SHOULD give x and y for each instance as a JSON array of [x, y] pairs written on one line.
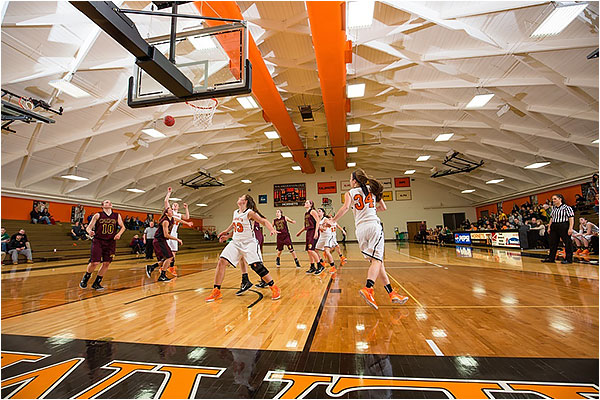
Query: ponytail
[[252, 205], [375, 187]]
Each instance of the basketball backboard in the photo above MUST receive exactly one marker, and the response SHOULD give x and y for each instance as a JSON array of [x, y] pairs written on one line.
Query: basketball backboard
[[178, 56], [214, 59]]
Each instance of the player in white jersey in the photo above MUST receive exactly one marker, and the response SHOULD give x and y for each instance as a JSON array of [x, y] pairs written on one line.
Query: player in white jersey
[[582, 239], [365, 200], [243, 245], [334, 243], [325, 242], [173, 243]]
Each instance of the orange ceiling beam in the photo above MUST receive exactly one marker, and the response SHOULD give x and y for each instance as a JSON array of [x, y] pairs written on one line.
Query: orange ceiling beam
[[263, 87], [329, 40]]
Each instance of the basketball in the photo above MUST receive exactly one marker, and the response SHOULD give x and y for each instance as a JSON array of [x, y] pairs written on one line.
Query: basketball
[[169, 120]]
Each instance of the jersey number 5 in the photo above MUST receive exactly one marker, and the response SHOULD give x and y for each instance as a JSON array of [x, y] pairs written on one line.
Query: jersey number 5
[[360, 204], [239, 227]]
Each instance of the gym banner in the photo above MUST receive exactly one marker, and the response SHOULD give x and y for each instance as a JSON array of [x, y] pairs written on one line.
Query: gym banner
[[387, 196], [484, 238], [327, 187], [385, 182], [462, 238], [289, 194], [402, 182], [506, 239]]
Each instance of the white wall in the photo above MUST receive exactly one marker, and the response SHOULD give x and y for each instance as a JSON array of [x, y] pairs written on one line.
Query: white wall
[[429, 202]]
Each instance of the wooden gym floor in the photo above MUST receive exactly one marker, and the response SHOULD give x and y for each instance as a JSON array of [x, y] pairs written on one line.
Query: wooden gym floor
[[475, 318]]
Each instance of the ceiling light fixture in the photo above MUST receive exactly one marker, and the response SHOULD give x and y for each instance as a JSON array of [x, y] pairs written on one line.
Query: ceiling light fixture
[[154, 133], [468, 191], [297, 168], [558, 20], [351, 164], [353, 128], [247, 102], [202, 205], [134, 190], [444, 137], [537, 165], [174, 199], [74, 177], [286, 154], [494, 181], [69, 88], [199, 156], [246, 181], [352, 149], [423, 158], [227, 171], [356, 90], [595, 141], [271, 135], [480, 100], [360, 14], [410, 171]]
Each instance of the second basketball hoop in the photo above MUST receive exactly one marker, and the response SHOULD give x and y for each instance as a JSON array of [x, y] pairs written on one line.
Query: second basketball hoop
[[203, 111]]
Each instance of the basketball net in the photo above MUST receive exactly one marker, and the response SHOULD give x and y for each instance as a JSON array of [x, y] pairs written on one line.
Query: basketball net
[[203, 112]]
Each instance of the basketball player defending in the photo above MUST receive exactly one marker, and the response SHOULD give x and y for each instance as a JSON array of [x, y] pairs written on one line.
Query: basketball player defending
[[174, 244], [311, 221], [283, 237], [161, 248], [103, 230], [365, 200], [244, 245]]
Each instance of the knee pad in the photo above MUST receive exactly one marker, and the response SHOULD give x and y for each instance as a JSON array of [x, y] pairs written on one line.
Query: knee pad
[[291, 248], [259, 268]]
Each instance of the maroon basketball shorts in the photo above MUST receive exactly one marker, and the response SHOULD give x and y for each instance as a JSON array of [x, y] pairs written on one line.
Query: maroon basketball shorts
[[284, 240], [310, 240], [103, 250], [162, 249]]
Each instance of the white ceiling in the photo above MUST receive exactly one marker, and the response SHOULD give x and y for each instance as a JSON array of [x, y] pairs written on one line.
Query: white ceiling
[[422, 62]]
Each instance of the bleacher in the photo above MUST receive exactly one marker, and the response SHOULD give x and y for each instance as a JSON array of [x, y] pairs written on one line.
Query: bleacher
[[54, 243]]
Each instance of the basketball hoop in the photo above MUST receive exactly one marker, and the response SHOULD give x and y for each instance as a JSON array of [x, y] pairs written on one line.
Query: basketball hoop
[[203, 112]]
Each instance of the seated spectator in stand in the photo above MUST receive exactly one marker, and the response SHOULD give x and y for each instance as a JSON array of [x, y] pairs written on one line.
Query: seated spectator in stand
[[77, 232], [136, 244], [5, 239], [18, 245], [138, 224], [45, 216], [596, 203], [446, 235], [583, 237], [580, 202], [472, 228], [22, 233]]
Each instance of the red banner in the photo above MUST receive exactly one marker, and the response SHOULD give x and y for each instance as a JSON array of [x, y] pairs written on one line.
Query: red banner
[[326, 187], [402, 182]]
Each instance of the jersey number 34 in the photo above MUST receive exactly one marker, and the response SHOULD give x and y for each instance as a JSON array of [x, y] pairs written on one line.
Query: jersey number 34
[[359, 203]]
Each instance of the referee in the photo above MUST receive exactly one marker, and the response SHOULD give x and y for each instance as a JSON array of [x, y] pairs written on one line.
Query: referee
[[562, 219]]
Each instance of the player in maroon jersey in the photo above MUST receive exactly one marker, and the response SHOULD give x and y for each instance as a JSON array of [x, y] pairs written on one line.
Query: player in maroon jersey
[[311, 221], [103, 229], [161, 247], [283, 239]]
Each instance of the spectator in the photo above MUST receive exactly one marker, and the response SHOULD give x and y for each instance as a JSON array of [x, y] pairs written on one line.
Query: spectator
[[5, 240], [40, 216], [137, 245], [77, 233], [148, 236], [18, 245], [583, 237], [138, 223], [22, 233]]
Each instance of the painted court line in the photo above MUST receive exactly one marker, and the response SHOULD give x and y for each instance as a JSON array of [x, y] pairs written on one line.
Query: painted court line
[[434, 347], [406, 291], [420, 259]]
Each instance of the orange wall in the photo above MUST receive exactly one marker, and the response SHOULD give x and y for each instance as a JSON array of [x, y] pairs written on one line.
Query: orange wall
[[19, 209], [569, 192]]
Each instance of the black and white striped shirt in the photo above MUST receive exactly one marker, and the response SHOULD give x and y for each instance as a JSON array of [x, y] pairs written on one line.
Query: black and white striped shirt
[[562, 213]]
